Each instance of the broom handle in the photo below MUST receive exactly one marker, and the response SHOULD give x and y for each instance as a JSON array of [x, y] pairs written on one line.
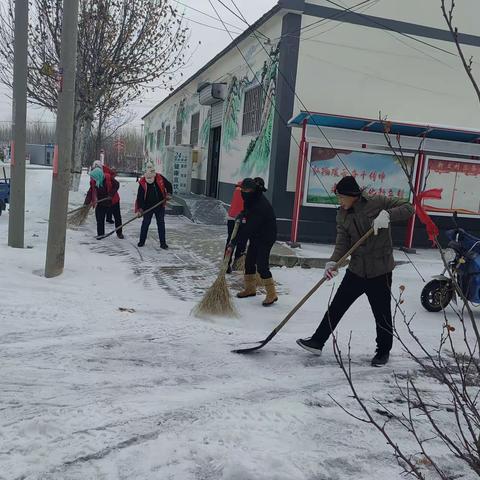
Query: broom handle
[[101, 237], [85, 204], [229, 252], [338, 265]]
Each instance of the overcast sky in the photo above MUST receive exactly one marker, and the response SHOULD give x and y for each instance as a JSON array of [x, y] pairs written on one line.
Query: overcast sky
[[213, 41]]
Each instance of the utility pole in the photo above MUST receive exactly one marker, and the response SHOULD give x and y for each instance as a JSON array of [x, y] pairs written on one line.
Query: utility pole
[[16, 217], [57, 227]]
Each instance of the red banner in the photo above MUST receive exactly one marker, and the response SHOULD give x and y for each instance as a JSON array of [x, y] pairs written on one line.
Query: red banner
[[446, 166], [432, 229]]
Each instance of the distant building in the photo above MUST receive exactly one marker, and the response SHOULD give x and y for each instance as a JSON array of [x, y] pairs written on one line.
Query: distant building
[[40, 154], [238, 113]]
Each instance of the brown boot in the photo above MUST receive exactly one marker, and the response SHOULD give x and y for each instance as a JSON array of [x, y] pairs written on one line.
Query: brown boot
[[271, 297], [250, 289]]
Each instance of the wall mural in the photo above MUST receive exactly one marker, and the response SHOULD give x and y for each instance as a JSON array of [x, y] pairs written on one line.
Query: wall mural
[[257, 158], [241, 156]]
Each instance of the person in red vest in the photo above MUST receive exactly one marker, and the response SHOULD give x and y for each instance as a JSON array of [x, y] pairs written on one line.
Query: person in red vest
[[236, 207], [114, 209], [153, 189], [103, 194]]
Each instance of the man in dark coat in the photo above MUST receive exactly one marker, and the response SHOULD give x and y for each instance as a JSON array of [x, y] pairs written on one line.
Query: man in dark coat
[[260, 228], [153, 189], [370, 269]]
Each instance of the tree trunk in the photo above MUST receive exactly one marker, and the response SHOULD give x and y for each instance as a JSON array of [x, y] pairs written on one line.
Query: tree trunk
[[82, 130]]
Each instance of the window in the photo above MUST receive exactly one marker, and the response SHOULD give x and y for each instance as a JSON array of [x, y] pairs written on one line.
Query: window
[[167, 135], [159, 139], [151, 141], [252, 111], [194, 129], [178, 132]]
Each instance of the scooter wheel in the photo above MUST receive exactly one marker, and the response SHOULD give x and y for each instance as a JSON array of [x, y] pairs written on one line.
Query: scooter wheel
[[436, 295]]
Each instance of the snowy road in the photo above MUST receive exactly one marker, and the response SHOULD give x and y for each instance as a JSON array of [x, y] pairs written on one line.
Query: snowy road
[[91, 392]]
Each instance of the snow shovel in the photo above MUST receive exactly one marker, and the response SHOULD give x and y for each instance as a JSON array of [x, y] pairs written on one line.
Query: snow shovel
[[297, 307], [217, 300], [101, 237]]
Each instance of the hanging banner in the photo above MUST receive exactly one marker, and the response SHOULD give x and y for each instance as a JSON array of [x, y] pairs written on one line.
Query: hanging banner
[[377, 173], [55, 161]]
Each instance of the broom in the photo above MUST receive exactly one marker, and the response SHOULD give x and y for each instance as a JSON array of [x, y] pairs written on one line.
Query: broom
[[217, 300], [78, 216], [101, 237], [239, 264]]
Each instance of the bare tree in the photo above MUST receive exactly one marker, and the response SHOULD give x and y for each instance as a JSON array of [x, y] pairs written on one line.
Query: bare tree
[[123, 46], [467, 64]]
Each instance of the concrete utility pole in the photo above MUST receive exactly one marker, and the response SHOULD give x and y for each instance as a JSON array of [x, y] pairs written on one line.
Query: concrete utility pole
[[16, 218], [57, 227]]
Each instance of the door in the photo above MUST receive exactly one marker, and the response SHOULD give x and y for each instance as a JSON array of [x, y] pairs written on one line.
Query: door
[[213, 162]]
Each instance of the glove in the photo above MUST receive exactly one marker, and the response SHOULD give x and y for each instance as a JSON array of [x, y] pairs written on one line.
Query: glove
[[139, 212], [240, 217], [330, 270], [382, 221]]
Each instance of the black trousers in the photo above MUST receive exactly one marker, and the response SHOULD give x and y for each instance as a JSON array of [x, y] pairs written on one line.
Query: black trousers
[[241, 242], [378, 291], [110, 215], [101, 212], [159, 213], [258, 258]]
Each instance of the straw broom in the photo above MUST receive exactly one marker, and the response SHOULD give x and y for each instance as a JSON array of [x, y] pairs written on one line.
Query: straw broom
[[78, 216], [217, 300]]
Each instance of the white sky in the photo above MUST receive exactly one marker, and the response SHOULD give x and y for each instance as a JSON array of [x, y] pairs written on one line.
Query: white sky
[[213, 41]]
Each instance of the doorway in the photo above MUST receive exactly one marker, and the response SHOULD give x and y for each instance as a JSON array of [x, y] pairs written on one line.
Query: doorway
[[213, 162]]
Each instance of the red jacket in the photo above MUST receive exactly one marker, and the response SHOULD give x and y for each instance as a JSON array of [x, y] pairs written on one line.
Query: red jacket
[[236, 205], [163, 184]]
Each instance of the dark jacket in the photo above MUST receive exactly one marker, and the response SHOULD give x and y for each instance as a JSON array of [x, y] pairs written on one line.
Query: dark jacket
[[149, 194], [375, 256], [261, 223], [108, 189]]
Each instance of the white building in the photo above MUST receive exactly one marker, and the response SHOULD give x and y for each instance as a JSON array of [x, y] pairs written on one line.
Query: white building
[[352, 63]]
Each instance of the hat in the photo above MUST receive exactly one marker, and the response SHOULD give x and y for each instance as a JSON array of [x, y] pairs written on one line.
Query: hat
[[249, 183], [261, 183], [348, 186]]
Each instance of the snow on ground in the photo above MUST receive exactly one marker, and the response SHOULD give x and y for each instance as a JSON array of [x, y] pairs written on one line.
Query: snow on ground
[[91, 392]]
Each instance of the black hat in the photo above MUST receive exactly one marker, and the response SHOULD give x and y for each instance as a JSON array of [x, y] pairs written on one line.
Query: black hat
[[348, 186], [261, 183], [249, 183]]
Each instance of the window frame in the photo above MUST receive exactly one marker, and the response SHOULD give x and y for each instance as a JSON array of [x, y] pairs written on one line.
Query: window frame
[[252, 117]]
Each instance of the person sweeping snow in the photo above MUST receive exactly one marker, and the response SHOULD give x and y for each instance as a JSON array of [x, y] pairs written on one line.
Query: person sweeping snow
[[236, 208], [114, 215], [370, 268], [153, 188], [103, 194], [260, 229]]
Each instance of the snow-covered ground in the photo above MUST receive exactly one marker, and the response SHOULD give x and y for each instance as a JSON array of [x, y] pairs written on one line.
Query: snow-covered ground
[[88, 391]]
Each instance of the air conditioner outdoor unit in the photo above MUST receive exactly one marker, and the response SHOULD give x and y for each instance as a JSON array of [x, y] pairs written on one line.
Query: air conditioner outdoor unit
[[210, 93]]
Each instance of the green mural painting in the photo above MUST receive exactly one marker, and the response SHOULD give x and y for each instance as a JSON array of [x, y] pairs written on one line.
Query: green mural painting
[[205, 131], [233, 105], [257, 158]]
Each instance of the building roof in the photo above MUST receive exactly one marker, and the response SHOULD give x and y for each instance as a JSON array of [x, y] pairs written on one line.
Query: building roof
[[377, 126], [232, 45]]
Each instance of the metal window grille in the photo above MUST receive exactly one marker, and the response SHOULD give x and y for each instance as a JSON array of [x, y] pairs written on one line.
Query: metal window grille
[[167, 135], [252, 111], [194, 127], [159, 139]]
